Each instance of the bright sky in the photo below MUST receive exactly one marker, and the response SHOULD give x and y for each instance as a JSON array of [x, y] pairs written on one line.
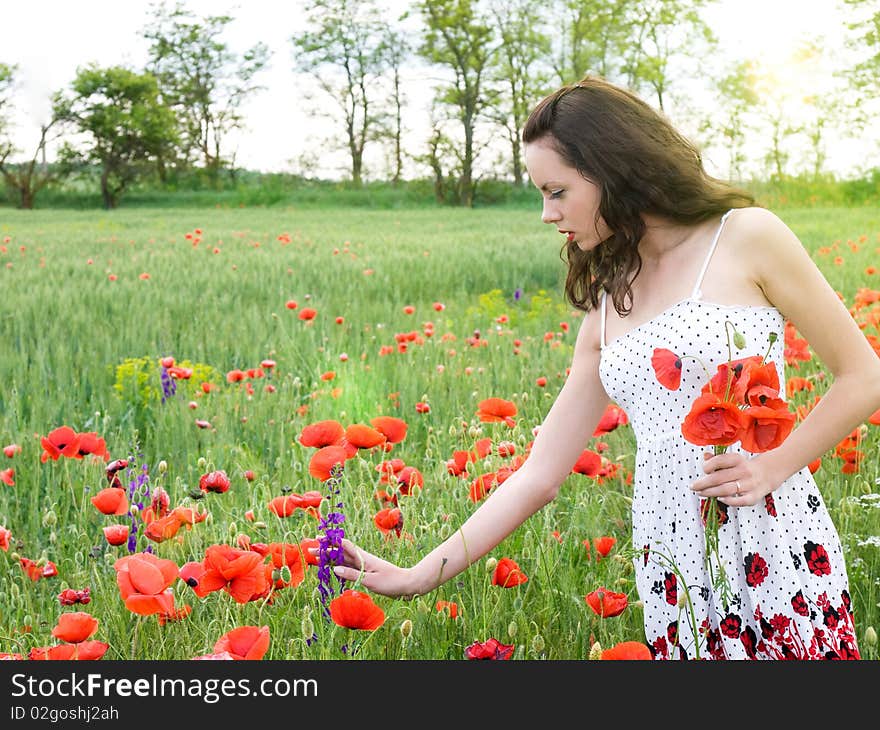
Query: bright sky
[[48, 39]]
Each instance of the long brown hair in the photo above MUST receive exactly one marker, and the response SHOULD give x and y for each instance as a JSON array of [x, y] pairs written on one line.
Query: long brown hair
[[641, 165]]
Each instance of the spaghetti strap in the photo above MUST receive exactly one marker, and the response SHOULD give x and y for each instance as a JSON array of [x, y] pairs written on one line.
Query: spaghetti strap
[[696, 293], [602, 325]]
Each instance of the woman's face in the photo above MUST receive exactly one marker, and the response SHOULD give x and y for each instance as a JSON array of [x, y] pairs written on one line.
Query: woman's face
[[571, 203]]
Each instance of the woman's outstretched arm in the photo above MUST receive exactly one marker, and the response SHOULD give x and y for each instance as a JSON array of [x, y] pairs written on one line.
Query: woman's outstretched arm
[[562, 437]]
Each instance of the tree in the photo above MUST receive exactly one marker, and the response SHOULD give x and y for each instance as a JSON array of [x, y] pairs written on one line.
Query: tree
[[204, 81], [592, 36], [345, 55], [394, 51], [737, 96], [125, 123], [458, 37], [516, 73], [27, 178], [661, 29]]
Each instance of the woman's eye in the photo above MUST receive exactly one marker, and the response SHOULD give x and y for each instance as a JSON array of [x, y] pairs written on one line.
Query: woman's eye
[[554, 194]]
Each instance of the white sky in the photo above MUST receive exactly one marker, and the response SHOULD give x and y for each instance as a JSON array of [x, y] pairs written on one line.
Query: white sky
[[48, 39]]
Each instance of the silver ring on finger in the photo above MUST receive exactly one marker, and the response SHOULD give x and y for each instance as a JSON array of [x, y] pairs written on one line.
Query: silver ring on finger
[[738, 488]]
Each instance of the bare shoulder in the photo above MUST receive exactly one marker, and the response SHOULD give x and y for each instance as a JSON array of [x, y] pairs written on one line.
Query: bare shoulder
[[792, 282], [759, 225]]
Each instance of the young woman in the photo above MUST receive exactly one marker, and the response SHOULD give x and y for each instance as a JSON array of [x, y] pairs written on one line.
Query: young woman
[[677, 254]]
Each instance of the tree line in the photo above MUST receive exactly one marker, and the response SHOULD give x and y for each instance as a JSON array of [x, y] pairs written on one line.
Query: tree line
[[490, 60]]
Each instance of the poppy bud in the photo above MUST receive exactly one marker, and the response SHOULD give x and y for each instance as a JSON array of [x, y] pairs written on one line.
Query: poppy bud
[[260, 525], [445, 530], [511, 629], [307, 627], [474, 431], [683, 600], [163, 466], [595, 651], [14, 556], [50, 518], [537, 643], [52, 537], [622, 581], [406, 629], [739, 340], [27, 620], [422, 606], [773, 337], [453, 430], [232, 529], [517, 604], [285, 573], [202, 462], [490, 564], [871, 636]]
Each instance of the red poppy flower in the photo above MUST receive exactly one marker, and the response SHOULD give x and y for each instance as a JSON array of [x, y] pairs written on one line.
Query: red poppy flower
[[7, 476], [189, 515], [283, 554], [356, 610], [589, 463], [508, 574], [111, 501], [495, 410], [179, 373], [238, 572], [307, 313], [389, 519], [766, 428], [11, 450], [87, 650], [6, 656], [489, 649], [144, 583], [215, 481], [163, 528], [449, 606], [178, 614], [62, 441], [245, 642], [481, 486], [605, 603], [116, 534], [712, 421], [91, 443], [324, 459], [5, 537], [69, 596], [667, 368], [305, 546], [613, 417], [603, 545], [632, 650], [322, 433], [394, 429], [75, 627], [724, 383], [363, 437]]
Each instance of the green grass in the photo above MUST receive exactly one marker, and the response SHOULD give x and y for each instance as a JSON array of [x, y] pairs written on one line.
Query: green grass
[[66, 328]]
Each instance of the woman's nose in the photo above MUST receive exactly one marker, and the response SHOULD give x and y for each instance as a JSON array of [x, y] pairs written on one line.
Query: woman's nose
[[549, 213]]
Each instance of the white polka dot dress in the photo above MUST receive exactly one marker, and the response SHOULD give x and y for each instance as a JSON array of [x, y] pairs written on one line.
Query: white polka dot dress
[[782, 556]]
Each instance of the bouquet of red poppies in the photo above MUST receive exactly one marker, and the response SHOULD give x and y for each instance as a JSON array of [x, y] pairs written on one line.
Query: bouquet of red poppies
[[740, 403]]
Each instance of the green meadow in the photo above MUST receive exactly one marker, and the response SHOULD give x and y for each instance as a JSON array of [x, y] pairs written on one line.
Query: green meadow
[[91, 301]]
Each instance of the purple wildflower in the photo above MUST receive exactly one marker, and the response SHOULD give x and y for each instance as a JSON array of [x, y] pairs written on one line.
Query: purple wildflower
[[169, 387], [330, 543], [138, 493], [517, 294]]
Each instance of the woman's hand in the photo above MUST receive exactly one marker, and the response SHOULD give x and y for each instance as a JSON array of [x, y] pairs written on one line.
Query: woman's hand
[[374, 573], [734, 479]]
